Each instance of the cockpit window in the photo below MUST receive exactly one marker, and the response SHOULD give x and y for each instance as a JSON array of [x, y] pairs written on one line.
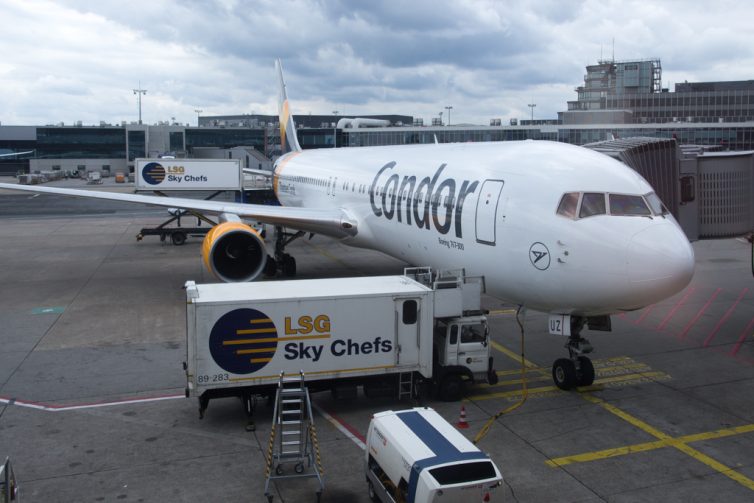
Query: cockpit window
[[593, 203], [568, 205], [655, 204], [622, 204]]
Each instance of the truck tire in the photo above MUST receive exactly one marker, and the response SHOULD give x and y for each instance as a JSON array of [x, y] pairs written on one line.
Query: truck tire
[[178, 238], [451, 388]]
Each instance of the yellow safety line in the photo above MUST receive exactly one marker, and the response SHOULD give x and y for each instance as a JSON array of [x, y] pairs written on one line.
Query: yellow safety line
[[507, 352], [649, 446], [686, 449], [597, 384]]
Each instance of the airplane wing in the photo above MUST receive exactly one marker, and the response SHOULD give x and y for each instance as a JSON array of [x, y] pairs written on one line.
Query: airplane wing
[[330, 222]]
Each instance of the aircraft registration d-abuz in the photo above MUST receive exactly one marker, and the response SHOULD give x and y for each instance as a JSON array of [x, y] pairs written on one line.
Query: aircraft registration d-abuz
[[553, 227]]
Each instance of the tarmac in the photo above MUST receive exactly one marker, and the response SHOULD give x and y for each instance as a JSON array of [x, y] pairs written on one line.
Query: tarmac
[[92, 406]]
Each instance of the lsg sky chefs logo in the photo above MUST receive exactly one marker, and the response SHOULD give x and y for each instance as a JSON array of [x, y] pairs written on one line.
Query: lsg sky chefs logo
[[153, 173], [243, 341]]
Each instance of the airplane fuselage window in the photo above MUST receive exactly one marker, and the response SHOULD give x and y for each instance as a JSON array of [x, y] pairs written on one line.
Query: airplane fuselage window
[[592, 203], [627, 205]]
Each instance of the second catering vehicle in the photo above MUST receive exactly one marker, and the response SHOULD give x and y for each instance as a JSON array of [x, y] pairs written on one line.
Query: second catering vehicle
[[553, 227]]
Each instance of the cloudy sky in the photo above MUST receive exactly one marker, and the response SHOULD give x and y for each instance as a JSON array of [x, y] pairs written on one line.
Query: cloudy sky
[[69, 60]]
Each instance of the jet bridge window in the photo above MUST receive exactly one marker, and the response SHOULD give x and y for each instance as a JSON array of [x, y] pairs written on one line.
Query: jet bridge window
[[568, 205], [626, 205], [593, 203]]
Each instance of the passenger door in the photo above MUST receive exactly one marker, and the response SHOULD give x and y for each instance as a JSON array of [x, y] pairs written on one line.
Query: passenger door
[[486, 211]]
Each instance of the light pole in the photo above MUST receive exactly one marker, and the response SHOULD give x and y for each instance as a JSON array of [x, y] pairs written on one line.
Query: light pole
[[197, 115], [532, 105], [335, 131], [139, 92], [449, 108]]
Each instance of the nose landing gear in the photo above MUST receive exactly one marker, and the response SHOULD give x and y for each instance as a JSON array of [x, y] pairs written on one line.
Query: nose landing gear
[[577, 370]]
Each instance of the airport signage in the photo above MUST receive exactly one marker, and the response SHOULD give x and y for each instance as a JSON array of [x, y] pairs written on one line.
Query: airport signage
[[188, 174]]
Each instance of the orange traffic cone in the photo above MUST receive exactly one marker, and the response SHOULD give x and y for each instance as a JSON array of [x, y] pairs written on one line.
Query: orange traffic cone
[[462, 424]]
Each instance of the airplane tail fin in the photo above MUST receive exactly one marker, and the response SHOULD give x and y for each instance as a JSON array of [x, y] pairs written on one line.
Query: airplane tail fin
[[288, 139]]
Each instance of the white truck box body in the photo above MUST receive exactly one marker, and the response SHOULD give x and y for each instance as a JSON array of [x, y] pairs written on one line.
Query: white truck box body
[[245, 334], [411, 445], [188, 174]]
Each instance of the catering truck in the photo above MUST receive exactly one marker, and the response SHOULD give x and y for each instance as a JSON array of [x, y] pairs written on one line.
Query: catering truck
[[389, 334], [415, 455]]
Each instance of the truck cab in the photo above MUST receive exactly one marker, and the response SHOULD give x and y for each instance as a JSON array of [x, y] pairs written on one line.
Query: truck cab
[[461, 354]]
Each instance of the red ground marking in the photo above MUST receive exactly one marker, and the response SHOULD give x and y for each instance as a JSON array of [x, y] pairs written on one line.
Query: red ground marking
[[746, 333], [699, 314], [724, 318], [675, 308], [645, 314]]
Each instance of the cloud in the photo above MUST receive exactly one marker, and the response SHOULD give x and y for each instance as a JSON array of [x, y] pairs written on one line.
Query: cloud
[[79, 60]]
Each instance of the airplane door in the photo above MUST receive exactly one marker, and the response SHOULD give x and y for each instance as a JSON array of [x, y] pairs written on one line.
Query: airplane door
[[486, 211]]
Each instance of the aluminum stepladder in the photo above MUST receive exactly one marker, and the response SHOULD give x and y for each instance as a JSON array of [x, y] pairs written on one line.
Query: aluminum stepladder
[[8, 484], [293, 437]]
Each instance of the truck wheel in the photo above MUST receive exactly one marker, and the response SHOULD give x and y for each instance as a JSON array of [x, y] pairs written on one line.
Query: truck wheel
[[451, 388], [178, 238]]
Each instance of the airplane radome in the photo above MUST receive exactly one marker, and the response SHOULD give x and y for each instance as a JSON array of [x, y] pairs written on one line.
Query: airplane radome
[[552, 227]]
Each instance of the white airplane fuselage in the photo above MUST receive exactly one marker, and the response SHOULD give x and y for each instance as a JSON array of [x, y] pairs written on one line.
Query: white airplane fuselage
[[491, 208]]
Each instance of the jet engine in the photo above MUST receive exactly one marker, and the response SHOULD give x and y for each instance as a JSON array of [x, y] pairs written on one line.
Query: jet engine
[[234, 252]]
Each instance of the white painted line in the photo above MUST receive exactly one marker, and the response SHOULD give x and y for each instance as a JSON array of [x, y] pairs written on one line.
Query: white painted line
[[344, 428], [60, 408]]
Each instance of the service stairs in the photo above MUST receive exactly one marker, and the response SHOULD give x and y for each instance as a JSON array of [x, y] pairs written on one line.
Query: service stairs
[[293, 437]]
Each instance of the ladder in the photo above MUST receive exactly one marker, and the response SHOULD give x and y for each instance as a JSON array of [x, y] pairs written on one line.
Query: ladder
[[293, 437], [405, 385], [8, 484]]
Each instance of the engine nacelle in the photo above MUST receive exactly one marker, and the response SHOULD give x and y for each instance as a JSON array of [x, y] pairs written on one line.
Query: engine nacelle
[[234, 252]]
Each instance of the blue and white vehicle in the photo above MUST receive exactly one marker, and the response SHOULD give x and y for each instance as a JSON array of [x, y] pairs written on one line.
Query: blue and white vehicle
[[416, 456]]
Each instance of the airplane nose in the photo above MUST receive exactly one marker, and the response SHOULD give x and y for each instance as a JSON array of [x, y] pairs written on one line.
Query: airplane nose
[[660, 261]]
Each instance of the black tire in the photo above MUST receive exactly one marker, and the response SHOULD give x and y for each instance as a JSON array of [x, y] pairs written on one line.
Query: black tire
[[279, 470], [270, 267], [564, 374], [289, 266], [586, 372], [178, 238], [451, 388], [299, 468]]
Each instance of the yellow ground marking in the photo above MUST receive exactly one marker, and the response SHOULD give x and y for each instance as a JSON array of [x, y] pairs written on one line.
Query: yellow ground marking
[[649, 446], [507, 352], [665, 440], [598, 383]]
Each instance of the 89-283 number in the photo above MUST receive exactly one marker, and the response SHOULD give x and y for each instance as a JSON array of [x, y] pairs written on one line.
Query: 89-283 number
[[203, 379]]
